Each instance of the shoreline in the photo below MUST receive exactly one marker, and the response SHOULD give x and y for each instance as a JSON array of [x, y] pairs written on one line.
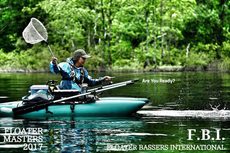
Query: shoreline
[[22, 71], [125, 70]]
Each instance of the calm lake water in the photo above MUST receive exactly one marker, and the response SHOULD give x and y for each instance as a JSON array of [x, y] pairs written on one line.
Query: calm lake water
[[146, 132]]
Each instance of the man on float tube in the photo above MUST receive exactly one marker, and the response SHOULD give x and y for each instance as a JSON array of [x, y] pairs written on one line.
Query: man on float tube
[[73, 73]]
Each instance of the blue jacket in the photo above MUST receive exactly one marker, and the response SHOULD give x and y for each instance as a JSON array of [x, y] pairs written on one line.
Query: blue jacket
[[72, 76]]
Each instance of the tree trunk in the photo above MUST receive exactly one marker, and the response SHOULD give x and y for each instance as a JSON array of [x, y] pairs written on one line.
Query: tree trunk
[[155, 37], [187, 50], [95, 35], [147, 62], [89, 38], [147, 30], [162, 38], [109, 33], [220, 36], [104, 31]]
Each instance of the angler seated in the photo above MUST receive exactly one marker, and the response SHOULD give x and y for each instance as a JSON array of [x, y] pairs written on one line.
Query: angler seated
[[73, 73]]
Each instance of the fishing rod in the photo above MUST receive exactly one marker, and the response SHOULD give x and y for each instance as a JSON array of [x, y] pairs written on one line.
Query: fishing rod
[[35, 107], [115, 84], [96, 90], [93, 89]]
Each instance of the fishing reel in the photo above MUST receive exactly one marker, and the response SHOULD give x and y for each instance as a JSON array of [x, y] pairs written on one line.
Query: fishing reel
[[52, 85]]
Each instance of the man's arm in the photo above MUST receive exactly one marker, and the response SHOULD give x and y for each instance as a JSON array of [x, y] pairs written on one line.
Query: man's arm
[[54, 66], [93, 82]]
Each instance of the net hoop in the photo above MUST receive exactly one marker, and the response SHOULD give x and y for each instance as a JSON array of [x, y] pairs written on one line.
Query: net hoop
[[35, 32]]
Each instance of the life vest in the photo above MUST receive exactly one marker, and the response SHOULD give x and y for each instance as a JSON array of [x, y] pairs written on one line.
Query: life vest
[[74, 78]]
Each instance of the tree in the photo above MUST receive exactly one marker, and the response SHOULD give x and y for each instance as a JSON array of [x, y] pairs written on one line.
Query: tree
[[14, 17]]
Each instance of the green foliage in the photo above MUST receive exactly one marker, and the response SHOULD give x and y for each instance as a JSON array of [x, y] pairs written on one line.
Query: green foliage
[[153, 55], [225, 64], [6, 59], [206, 48], [200, 55], [210, 51], [123, 50], [95, 62], [35, 58], [13, 20], [209, 25], [127, 64], [198, 59], [118, 34], [226, 49]]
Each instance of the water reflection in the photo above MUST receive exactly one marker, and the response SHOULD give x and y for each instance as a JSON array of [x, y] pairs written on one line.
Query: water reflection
[[85, 134], [91, 135], [204, 114], [190, 91]]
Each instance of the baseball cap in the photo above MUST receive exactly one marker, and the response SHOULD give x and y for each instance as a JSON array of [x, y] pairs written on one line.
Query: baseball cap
[[80, 53]]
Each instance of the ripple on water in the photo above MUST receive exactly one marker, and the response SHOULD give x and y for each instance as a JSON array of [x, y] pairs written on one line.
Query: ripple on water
[[214, 114], [140, 134]]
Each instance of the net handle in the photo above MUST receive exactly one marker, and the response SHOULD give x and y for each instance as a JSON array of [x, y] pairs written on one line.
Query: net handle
[[51, 52]]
